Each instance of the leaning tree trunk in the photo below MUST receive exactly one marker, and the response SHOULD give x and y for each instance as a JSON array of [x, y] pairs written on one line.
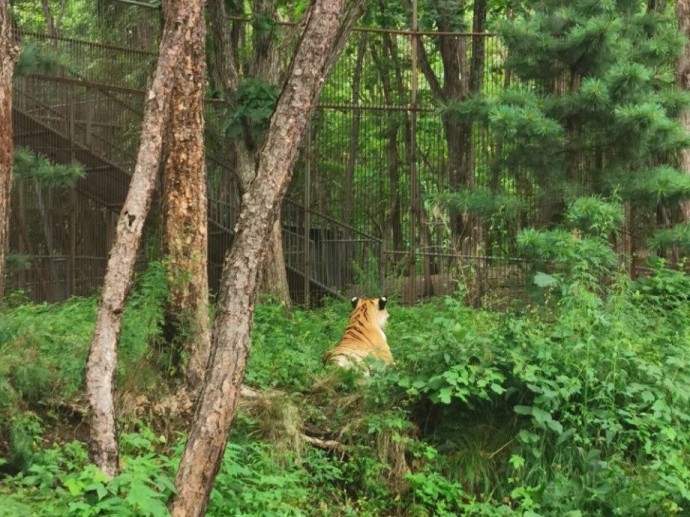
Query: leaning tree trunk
[[269, 65], [8, 56], [234, 317], [683, 81], [181, 20], [185, 234]]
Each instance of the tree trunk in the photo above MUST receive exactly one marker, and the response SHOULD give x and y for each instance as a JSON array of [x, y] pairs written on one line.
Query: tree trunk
[[181, 19], [222, 72], [478, 46], [185, 234], [266, 64], [273, 274], [458, 135], [8, 56], [683, 81], [234, 317], [389, 52], [48, 15], [417, 208], [269, 65], [46, 220], [354, 134]]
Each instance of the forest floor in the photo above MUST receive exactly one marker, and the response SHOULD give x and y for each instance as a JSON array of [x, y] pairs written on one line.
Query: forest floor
[[574, 405]]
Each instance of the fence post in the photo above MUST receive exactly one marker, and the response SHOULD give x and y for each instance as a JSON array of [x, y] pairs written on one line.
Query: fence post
[[307, 218], [72, 265], [412, 280]]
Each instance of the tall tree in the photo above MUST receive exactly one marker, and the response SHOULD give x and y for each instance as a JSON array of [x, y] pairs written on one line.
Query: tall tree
[[325, 25], [390, 75], [454, 85], [683, 81], [348, 214], [185, 236], [182, 18], [265, 68], [241, 80], [599, 116], [9, 52]]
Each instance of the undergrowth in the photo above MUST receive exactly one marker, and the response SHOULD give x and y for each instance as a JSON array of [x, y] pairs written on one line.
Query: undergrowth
[[578, 406]]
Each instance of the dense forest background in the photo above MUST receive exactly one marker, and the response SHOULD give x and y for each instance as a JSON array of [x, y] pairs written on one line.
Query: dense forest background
[[517, 169]]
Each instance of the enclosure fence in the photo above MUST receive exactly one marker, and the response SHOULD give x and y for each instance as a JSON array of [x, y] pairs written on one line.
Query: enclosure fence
[[364, 212]]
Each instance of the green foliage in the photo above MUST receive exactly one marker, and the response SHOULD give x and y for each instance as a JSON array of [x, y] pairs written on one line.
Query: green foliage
[[43, 350], [35, 59], [143, 320], [567, 249], [658, 184], [678, 236], [62, 482], [46, 174], [291, 359], [578, 407], [595, 216], [367, 272], [254, 102], [592, 108], [18, 262], [579, 258], [24, 434], [483, 202], [251, 482]]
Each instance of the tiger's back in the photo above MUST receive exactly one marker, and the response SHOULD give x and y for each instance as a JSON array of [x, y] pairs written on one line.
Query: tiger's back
[[363, 335]]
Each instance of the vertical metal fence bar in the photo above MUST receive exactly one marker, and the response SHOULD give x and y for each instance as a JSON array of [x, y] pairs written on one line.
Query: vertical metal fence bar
[[307, 217], [71, 267], [412, 289], [90, 113]]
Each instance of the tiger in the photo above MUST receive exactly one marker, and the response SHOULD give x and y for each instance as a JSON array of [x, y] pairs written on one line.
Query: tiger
[[363, 335]]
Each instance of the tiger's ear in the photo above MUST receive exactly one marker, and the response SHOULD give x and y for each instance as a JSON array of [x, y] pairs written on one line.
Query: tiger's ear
[[382, 303], [354, 301]]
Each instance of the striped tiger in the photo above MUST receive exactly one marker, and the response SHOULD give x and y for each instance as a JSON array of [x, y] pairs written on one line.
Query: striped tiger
[[363, 335]]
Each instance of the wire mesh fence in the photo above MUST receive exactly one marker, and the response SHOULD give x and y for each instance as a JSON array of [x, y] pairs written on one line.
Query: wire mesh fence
[[364, 213]]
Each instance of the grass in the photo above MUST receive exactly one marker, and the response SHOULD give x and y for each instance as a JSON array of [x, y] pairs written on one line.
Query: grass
[[580, 406]]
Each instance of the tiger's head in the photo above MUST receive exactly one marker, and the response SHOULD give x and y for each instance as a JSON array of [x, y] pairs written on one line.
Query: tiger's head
[[373, 309], [363, 335]]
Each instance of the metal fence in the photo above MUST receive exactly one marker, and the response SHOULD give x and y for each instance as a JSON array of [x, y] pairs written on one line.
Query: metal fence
[[360, 216]]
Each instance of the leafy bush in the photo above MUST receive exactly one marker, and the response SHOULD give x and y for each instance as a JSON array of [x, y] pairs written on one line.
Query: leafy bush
[[62, 482], [43, 350], [575, 407]]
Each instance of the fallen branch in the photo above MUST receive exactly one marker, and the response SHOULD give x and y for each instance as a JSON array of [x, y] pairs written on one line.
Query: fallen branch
[[329, 445]]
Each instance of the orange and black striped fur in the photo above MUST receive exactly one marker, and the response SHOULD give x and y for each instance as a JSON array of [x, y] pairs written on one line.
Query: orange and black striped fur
[[363, 335]]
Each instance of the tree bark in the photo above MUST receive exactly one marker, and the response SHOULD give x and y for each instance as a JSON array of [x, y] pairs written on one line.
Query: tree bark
[[273, 274], [478, 46], [222, 69], [9, 52], [267, 64], [181, 19], [234, 317], [185, 234], [683, 81]]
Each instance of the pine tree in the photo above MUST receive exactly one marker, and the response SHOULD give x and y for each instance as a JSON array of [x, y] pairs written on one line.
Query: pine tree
[[592, 109]]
